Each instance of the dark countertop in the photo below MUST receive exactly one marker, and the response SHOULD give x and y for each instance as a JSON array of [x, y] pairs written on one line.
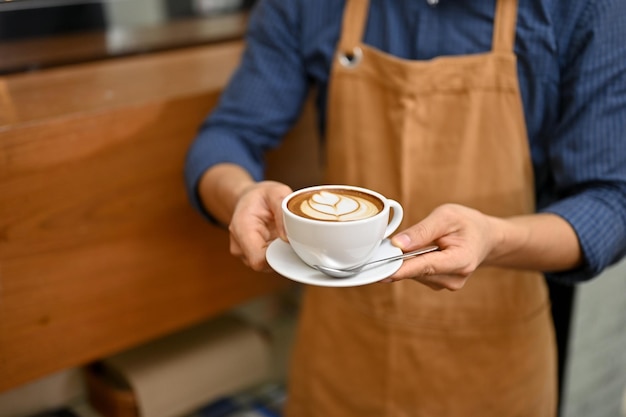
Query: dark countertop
[[45, 52]]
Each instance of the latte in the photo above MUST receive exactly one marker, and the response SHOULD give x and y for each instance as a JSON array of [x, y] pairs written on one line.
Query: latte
[[335, 205]]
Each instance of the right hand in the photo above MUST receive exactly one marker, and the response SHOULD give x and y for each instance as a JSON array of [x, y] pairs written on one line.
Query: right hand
[[256, 221]]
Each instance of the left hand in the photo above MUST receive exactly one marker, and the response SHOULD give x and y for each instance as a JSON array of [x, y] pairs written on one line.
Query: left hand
[[465, 237]]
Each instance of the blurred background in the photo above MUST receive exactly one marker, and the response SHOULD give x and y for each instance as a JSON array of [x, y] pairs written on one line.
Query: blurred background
[[104, 265], [108, 28]]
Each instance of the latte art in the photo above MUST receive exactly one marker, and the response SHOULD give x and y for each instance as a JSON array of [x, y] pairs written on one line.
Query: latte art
[[338, 226], [332, 206]]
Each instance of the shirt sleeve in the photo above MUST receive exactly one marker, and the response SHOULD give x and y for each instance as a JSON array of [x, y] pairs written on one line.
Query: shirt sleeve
[[261, 101], [588, 148]]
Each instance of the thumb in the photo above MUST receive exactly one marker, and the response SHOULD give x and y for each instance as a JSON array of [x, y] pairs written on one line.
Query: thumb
[[280, 224], [277, 212], [419, 235]]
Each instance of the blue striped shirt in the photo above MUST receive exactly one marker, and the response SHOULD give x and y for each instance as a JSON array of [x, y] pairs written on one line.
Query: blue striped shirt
[[572, 74]]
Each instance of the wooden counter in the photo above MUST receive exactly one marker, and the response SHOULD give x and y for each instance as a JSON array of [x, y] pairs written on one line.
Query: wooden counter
[[99, 247]]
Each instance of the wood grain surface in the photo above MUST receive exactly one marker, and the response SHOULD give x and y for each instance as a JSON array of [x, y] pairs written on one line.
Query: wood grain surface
[[99, 247]]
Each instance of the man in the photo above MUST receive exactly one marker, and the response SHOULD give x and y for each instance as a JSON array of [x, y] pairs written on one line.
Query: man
[[497, 127]]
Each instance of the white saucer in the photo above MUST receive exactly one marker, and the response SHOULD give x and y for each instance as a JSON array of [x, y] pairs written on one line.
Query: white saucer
[[281, 257]]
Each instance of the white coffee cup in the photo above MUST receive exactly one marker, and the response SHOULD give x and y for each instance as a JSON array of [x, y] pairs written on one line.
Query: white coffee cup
[[338, 226]]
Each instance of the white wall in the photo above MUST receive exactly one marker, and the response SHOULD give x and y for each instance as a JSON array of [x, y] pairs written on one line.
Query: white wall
[[133, 13], [53, 391], [595, 375]]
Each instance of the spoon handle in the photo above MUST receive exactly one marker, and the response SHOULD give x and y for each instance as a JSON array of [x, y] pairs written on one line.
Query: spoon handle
[[406, 255]]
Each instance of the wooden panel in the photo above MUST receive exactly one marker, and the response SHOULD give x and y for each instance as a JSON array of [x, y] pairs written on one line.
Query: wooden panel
[[99, 248], [7, 109], [107, 85]]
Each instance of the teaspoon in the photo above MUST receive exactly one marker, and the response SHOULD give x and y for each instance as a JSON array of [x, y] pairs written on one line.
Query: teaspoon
[[348, 272]]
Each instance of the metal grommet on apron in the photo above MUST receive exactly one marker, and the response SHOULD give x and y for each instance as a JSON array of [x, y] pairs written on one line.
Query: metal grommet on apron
[[402, 349], [352, 58]]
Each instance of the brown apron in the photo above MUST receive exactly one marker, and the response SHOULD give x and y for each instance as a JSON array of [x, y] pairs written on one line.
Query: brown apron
[[449, 130]]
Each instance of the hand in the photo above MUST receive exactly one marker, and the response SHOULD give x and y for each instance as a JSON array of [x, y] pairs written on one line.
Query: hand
[[256, 221], [466, 238]]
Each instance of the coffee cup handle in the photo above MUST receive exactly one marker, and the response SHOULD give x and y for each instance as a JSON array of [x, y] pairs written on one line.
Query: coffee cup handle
[[396, 219]]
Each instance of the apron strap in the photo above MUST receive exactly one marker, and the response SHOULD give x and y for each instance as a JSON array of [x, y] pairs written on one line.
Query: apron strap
[[355, 19], [504, 26], [353, 25]]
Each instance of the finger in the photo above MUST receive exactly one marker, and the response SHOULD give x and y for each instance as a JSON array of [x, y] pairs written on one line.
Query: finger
[[277, 212], [234, 247], [237, 251], [436, 282], [422, 266], [431, 228], [442, 282], [437, 270], [249, 242], [435, 286]]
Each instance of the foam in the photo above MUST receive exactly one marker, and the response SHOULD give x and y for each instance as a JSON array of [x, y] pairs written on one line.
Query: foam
[[327, 205]]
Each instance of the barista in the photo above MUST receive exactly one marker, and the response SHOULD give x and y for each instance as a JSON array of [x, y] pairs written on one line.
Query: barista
[[497, 127]]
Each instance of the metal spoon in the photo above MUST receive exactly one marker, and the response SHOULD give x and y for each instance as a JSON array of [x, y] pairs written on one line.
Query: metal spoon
[[348, 272]]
